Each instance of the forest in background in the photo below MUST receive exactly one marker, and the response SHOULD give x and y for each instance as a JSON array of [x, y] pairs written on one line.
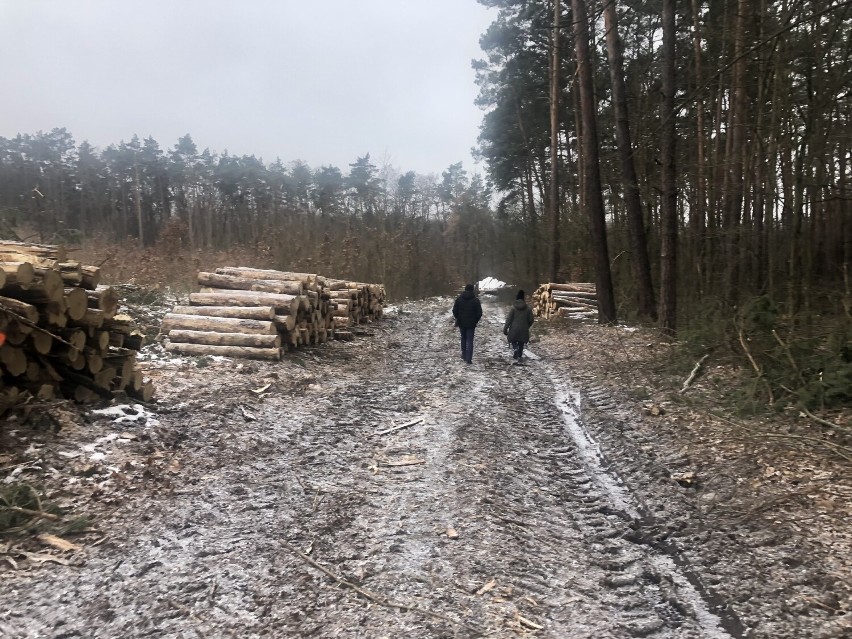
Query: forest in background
[[691, 158]]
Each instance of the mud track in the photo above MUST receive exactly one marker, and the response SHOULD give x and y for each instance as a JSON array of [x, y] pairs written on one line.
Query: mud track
[[491, 512]]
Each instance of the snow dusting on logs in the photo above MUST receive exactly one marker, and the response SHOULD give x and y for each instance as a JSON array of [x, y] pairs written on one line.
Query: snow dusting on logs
[[60, 334], [572, 299], [258, 313]]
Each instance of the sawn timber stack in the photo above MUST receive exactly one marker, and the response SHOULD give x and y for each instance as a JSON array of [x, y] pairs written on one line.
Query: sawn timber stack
[[60, 331], [259, 313]]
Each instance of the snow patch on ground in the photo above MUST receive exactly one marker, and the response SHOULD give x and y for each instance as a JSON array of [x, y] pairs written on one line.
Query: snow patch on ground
[[128, 414], [491, 284]]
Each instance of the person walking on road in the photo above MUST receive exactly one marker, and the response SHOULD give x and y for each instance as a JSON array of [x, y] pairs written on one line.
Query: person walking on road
[[517, 326], [468, 311]]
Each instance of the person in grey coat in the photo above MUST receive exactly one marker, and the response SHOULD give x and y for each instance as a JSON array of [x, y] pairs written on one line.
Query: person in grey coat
[[517, 326]]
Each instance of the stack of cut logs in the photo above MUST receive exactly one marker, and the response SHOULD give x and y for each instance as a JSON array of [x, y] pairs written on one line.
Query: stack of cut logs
[[255, 313], [565, 300], [60, 331]]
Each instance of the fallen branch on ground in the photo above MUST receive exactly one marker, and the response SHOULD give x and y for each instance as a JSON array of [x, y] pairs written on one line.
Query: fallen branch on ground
[[32, 513], [693, 374], [401, 426], [378, 599], [820, 420]]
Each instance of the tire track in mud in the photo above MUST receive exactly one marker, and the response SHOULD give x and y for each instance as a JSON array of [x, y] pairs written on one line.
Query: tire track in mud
[[544, 533], [546, 539]]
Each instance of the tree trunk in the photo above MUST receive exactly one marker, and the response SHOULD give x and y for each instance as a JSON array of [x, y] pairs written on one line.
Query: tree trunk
[[594, 195], [698, 217], [639, 261], [137, 201], [553, 199], [668, 206]]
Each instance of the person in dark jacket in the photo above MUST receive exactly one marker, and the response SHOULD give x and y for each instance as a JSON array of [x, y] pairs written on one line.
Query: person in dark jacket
[[468, 311], [517, 326]]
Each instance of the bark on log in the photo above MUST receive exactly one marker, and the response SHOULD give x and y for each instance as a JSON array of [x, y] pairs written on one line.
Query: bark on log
[[307, 279], [570, 301], [22, 309], [48, 251], [283, 304], [215, 324], [335, 285], [571, 311], [572, 286], [224, 339], [233, 282], [241, 312], [573, 294], [225, 351]]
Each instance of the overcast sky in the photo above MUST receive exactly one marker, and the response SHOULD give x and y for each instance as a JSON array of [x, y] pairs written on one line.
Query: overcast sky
[[324, 81]]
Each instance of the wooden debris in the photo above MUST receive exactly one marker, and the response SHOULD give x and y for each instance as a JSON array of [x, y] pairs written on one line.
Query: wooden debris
[[238, 303], [693, 374], [60, 332], [564, 300], [401, 426], [487, 587]]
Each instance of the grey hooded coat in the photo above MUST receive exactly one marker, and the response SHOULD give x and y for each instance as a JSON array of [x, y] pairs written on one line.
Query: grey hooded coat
[[518, 322]]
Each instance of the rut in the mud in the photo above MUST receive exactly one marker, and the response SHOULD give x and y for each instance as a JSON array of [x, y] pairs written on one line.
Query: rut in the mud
[[494, 514]]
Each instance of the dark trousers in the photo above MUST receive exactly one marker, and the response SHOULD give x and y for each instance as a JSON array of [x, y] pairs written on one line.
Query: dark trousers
[[467, 343], [518, 348]]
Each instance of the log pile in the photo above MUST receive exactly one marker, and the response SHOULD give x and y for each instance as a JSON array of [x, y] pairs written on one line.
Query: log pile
[[565, 300], [258, 313], [355, 303], [60, 331]]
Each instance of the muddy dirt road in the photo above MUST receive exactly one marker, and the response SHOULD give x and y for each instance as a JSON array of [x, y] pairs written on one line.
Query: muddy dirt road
[[384, 488]]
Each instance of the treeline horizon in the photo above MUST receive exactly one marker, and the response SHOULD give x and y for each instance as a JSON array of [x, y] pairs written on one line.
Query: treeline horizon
[[371, 223]]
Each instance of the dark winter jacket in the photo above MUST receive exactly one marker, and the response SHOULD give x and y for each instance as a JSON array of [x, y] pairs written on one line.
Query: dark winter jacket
[[467, 310], [518, 322]]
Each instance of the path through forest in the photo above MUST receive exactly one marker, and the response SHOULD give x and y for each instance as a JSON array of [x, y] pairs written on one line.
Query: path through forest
[[452, 500]]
